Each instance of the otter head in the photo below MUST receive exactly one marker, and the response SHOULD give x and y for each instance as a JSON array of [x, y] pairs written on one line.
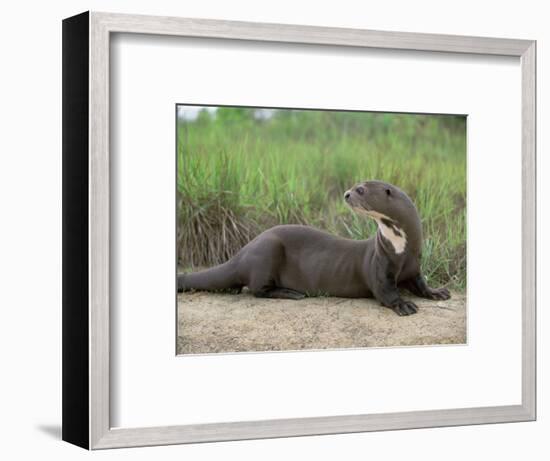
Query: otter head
[[390, 207]]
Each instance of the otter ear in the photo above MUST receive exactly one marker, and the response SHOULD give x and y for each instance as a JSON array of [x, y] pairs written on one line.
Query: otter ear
[[388, 191]]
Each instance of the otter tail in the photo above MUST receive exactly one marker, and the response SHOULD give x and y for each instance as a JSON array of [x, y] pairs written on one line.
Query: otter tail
[[222, 277]]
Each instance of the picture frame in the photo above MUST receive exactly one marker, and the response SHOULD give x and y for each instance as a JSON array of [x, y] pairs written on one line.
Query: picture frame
[[86, 230]]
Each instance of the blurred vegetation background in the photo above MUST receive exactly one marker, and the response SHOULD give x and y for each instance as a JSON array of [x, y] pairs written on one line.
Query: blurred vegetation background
[[243, 170]]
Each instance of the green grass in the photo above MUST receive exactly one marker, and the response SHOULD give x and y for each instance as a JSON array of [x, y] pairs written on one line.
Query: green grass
[[238, 176]]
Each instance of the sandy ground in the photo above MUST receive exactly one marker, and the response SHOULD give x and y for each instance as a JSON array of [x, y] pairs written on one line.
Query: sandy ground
[[215, 322]]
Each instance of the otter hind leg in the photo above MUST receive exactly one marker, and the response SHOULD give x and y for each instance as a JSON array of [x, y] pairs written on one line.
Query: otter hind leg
[[417, 285], [281, 293], [262, 263]]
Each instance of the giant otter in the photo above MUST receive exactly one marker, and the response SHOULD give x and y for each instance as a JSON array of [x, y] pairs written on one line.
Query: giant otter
[[293, 261]]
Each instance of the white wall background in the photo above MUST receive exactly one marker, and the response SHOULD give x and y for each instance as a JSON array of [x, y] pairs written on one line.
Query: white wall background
[[30, 230]]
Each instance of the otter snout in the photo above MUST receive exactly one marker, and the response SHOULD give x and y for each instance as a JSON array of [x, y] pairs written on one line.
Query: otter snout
[[359, 190]]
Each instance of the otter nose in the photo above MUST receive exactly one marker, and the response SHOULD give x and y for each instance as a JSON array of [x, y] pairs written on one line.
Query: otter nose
[[347, 195]]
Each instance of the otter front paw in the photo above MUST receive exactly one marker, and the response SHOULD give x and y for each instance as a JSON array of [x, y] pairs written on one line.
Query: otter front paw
[[404, 307], [439, 293]]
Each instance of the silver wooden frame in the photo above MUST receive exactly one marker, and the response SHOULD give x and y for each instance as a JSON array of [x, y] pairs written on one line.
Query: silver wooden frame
[[101, 25]]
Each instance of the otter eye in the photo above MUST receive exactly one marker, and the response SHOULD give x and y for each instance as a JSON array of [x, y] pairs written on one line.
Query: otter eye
[[388, 192], [360, 190]]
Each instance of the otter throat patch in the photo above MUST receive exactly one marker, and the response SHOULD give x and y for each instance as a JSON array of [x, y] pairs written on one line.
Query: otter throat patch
[[389, 228], [391, 231]]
